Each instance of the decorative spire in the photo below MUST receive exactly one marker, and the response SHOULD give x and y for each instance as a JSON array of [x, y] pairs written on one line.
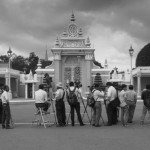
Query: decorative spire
[[65, 33], [72, 19], [106, 64], [88, 42], [46, 55], [57, 44], [39, 64], [80, 32]]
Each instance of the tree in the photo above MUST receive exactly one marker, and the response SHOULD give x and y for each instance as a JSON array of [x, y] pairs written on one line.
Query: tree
[[4, 58], [18, 63], [33, 61], [45, 63], [98, 80]]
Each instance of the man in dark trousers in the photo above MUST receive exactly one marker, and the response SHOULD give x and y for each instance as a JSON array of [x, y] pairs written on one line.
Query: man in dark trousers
[[111, 111], [146, 103], [60, 105], [74, 103], [6, 109]]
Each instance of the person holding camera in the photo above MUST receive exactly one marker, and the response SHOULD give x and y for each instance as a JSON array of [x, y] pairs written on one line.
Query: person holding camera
[[97, 108], [72, 98], [60, 105]]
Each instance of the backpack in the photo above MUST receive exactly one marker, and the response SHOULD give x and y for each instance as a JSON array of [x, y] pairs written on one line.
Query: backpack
[[147, 100], [72, 98], [90, 99]]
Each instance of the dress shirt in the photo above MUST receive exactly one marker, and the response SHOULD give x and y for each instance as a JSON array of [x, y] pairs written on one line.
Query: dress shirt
[[98, 95], [111, 93], [6, 97], [122, 98], [131, 95], [59, 94], [40, 96]]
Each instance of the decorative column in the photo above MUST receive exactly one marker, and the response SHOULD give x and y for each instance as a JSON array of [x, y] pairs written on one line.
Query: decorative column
[[33, 90], [57, 68], [6, 80], [88, 58], [139, 84], [26, 90], [17, 87]]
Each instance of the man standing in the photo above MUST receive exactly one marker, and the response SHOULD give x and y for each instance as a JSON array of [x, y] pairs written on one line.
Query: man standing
[[146, 103], [111, 111], [131, 99], [60, 105], [41, 98], [97, 109], [72, 98], [123, 105], [6, 108]]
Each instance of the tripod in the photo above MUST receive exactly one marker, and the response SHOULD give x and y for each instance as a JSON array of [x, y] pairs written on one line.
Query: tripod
[[85, 110], [53, 109], [101, 118]]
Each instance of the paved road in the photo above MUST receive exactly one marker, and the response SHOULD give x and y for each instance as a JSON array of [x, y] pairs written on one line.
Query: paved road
[[26, 137]]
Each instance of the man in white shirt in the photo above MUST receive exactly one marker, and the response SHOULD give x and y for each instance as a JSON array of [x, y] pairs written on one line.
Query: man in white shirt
[[60, 105], [97, 109], [111, 111], [6, 108], [123, 105], [41, 99]]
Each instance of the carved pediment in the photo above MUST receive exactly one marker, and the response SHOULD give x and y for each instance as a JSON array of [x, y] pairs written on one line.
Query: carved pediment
[[73, 43]]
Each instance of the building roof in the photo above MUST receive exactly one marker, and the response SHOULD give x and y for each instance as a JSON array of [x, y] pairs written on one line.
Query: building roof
[[143, 57]]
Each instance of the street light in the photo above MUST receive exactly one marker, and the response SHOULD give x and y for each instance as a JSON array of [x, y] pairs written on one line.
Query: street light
[[131, 51], [9, 53]]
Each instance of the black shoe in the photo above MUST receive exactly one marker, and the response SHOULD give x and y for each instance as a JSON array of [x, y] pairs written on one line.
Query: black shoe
[[8, 127], [3, 126], [129, 121], [97, 125], [59, 125], [109, 124], [82, 124], [72, 124], [93, 124]]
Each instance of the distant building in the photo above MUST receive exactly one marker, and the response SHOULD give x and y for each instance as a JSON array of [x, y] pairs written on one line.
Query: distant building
[[73, 59], [141, 74]]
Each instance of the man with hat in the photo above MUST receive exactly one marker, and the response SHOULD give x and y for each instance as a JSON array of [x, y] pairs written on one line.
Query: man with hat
[[60, 105]]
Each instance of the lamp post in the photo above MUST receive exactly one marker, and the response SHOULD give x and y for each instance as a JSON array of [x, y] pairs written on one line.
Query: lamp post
[[9, 53], [131, 51]]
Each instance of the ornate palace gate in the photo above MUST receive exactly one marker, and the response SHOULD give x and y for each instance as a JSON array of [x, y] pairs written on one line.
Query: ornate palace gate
[[71, 69]]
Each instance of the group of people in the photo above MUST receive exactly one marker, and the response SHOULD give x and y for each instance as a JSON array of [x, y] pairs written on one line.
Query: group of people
[[112, 98], [5, 114], [72, 94]]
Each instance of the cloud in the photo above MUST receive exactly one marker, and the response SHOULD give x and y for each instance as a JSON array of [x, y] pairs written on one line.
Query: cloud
[[113, 25]]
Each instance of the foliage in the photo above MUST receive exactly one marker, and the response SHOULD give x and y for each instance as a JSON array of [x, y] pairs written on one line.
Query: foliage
[[4, 58], [98, 80], [18, 63], [45, 63], [33, 61], [25, 64]]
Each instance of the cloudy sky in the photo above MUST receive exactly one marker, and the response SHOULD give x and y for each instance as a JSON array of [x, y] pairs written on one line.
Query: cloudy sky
[[112, 25]]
